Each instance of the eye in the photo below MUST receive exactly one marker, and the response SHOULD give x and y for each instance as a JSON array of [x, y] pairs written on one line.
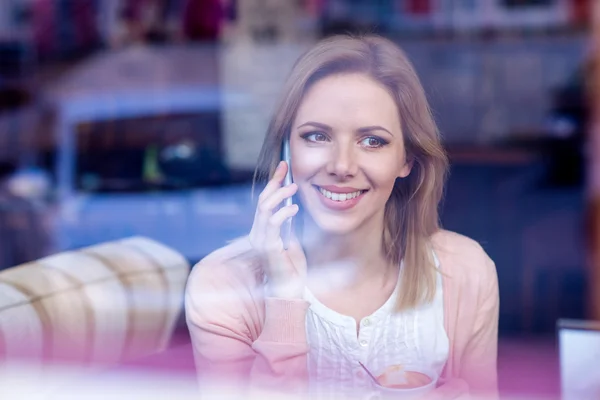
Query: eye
[[315, 137], [373, 142]]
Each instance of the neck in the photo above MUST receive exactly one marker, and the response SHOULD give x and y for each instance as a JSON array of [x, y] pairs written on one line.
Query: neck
[[360, 253]]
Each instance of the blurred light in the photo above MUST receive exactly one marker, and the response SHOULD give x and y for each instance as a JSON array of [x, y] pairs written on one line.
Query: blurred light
[[561, 126], [29, 184]]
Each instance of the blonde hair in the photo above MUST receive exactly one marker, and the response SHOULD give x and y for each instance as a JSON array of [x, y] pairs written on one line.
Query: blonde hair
[[411, 213]]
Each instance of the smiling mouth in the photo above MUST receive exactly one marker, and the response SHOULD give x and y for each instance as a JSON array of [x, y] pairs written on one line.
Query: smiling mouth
[[339, 196]]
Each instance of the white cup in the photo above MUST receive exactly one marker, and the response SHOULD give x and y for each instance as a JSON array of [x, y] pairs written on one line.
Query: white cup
[[380, 392]]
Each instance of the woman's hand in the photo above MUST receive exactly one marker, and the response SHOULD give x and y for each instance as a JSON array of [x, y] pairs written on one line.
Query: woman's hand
[[285, 269]]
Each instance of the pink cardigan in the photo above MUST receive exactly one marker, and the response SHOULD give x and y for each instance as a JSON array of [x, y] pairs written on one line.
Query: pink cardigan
[[233, 340]]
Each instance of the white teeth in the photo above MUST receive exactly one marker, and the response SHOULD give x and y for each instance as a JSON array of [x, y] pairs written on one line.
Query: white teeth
[[339, 196]]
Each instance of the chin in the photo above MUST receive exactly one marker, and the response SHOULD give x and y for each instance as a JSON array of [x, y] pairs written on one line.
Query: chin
[[335, 225]]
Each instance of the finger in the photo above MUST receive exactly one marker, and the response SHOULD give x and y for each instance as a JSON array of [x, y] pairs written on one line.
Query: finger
[[273, 231], [269, 205], [265, 210], [275, 181], [272, 186]]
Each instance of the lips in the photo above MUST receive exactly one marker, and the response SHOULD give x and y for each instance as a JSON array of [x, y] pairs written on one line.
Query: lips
[[336, 196], [339, 198]]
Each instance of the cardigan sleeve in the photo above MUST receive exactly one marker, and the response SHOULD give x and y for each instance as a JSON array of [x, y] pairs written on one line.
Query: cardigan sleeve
[[221, 316], [479, 367]]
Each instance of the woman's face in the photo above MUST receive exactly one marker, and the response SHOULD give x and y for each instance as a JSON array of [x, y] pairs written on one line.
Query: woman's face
[[347, 151]]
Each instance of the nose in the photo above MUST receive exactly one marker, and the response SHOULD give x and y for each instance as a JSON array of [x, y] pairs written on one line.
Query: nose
[[342, 162]]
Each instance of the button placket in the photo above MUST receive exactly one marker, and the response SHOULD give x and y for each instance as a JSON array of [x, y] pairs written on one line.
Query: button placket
[[363, 340], [364, 334]]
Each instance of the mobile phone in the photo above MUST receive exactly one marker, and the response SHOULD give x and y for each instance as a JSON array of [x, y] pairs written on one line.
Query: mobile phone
[[286, 228]]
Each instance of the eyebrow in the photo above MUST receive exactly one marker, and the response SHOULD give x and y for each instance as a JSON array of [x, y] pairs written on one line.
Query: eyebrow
[[364, 129], [316, 125]]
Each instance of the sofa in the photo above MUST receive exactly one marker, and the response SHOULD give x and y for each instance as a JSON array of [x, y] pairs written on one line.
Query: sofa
[[96, 308]]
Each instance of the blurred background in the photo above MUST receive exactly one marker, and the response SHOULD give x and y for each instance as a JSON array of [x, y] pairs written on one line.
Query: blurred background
[[145, 117]]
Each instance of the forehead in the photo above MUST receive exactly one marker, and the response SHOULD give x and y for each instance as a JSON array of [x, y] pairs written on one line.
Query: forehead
[[349, 99]]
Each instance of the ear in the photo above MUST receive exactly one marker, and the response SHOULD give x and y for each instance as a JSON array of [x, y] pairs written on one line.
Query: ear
[[405, 169]]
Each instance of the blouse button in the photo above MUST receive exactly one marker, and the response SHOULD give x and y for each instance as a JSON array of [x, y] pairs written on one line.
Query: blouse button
[[363, 343], [360, 374], [366, 322]]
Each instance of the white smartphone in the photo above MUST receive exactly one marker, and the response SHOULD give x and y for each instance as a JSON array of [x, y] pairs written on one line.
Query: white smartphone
[[286, 229]]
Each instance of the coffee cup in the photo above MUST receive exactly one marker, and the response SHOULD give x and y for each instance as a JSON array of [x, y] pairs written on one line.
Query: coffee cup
[[403, 382]]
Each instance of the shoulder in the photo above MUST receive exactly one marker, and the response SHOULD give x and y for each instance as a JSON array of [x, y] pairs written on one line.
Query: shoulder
[[461, 256], [225, 279]]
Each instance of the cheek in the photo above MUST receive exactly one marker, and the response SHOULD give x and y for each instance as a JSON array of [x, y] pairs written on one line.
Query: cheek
[[307, 162], [383, 175]]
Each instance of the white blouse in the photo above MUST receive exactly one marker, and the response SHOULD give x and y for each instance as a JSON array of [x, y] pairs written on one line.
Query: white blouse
[[413, 337]]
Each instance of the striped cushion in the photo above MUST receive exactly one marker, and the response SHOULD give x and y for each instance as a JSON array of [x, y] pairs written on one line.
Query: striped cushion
[[100, 305]]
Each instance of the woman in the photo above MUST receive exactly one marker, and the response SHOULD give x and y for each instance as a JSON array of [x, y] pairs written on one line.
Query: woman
[[369, 276]]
